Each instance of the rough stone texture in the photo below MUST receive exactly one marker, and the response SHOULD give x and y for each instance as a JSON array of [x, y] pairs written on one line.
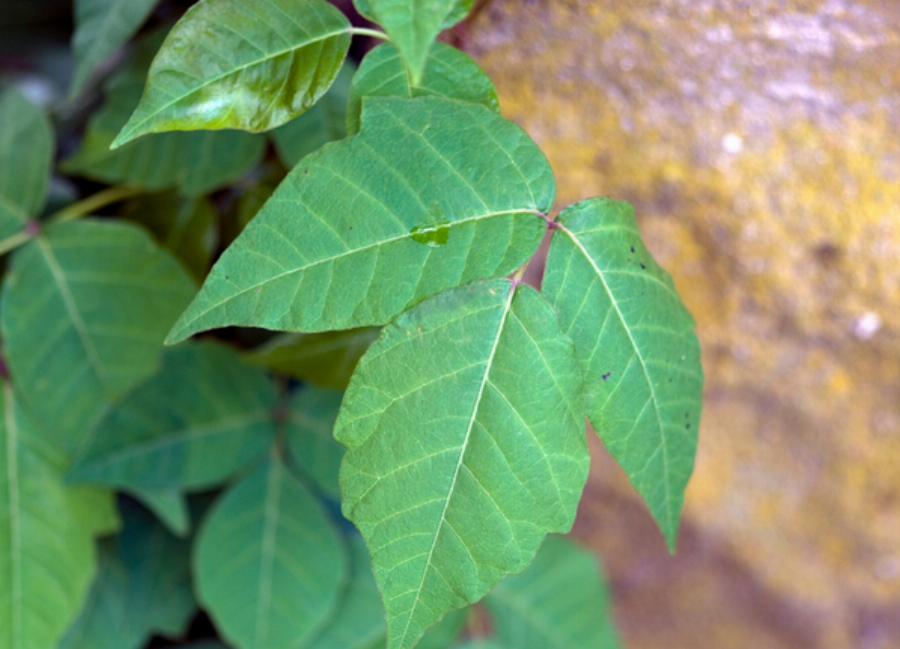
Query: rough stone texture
[[760, 144]]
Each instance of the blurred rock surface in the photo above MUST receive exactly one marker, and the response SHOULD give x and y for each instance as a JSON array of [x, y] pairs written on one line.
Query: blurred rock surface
[[760, 144]]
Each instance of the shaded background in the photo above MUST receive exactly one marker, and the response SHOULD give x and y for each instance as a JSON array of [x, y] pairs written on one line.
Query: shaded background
[[760, 144]]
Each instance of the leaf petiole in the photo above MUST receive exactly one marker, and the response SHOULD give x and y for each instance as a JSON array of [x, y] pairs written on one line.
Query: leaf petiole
[[362, 31], [92, 203]]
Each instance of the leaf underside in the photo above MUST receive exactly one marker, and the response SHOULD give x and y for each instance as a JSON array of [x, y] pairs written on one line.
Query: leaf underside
[[245, 64], [458, 465], [268, 563], [448, 73], [636, 345], [431, 194], [103, 293]]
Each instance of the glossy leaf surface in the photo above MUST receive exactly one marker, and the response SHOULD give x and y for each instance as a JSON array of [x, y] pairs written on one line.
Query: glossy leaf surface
[[558, 602], [47, 556], [269, 566], [325, 122], [636, 345], [186, 226], [326, 359], [414, 24], [458, 465], [448, 73], [194, 163], [26, 152], [245, 64], [202, 417], [432, 193], [142, 587], [103, 292], [310, 436], [102, 27]]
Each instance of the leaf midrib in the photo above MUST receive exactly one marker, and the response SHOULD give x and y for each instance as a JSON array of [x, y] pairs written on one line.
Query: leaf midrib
[[267, 553], [15, 540], [637, 352], [302, 269], [462, 454]]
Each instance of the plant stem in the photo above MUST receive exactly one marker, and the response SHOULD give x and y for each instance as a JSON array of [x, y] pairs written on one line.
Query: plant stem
[[92, 203], [362, 31]]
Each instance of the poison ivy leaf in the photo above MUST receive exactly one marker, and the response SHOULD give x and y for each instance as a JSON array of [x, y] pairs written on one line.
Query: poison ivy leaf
[[309, 427], [636, 345], [26, 152], [324, 122], [202, 417], [441, 635], [325, 359], [559, 602], [143, 586], [269, 565], [432, 193], [247, 64], [448, 73], [47, 553], [194, 163], [101, 27], [459, 464], [247, 205], [170, 507], [414, 24], [102, 292], [186, 226]]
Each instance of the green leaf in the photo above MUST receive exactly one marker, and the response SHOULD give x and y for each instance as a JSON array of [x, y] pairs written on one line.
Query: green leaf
[[26, 153], [195, 163], [101, 27], [442, 634], [186, 226], [636, 345], [448, 73], [432, 193], [324, 122], [486, 421], [47, 554], [309, 427], [143, 587], [269, 565], [559, 602], [414, 24], [247, 64], [169, 506], [480, 644], [202, 417], [102, 293], [325, 359]]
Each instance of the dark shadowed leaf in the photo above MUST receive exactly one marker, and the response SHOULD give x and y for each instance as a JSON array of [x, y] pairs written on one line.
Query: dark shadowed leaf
[[458, 465], [195, 163], [309, 429], [325, 359], [559, 602], [143, 587], [432, 193], [202, 417], [101, 27], [324, 122], [247, 64], [636, 345], [102, 292], [448, 73], [269, 565], [186, 226], [414, 24], [47, 556], [26, 152]]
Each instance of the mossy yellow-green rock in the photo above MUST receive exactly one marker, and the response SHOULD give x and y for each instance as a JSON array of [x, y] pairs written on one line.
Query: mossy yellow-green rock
[[760, 144]]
